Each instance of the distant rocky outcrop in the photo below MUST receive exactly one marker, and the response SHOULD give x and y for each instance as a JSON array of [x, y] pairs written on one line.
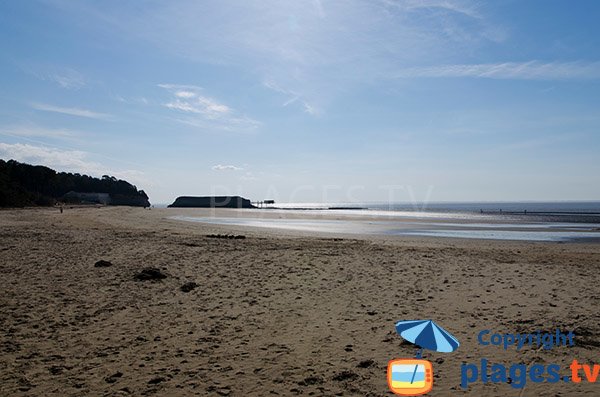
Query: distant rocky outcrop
[[212, 202]]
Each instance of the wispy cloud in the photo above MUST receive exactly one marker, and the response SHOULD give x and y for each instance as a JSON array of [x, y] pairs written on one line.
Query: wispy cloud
[[309, 109], [234, 125], [69, 79], [176, 87], [292, 97], [139, 100], [455, 23], [317, 51], [35, 131], [185, 94], [208, 112], [70, 111], [64, 77], [205, 106], [66, 160], [533, 70], [220, 167], [188, 99], [466, 8]]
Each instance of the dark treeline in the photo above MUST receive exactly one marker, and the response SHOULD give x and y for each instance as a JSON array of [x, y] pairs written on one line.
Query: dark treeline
[[25, 185]]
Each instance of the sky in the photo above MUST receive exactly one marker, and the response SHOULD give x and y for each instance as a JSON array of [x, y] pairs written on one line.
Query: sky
[[309, 101]]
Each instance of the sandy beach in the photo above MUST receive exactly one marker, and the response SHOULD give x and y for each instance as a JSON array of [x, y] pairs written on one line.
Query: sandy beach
[[273, 313]]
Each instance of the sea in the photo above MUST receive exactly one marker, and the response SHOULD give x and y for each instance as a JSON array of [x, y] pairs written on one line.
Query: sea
[[566, 211], [567, 221]]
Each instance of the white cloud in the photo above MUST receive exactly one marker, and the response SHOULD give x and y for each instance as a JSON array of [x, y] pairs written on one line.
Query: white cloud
[[220, 167], [66, 160], [32, 130], [208, 107], [64, 77], [533, 70], [140, 100], [69, 79], [72, 160], [177, 87], [209, 112], [136, 177], [309, 109], [466, 8], [293, 97], [188, 99], [237, 125], [318, 51], [270, 84], [185, 94], [70, 111]]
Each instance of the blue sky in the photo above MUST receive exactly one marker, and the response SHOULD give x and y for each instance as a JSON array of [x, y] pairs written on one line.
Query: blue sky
[[315, 100]]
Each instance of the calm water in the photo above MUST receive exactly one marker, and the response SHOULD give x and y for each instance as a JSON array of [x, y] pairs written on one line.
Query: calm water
[[500, 221], [572, 212]]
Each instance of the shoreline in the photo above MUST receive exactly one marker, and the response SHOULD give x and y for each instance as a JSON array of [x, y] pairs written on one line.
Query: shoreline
[[273, 313], [363, 225]]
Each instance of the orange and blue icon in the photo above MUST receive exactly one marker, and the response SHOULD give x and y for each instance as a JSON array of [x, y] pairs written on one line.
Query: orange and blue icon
[[410, 377]]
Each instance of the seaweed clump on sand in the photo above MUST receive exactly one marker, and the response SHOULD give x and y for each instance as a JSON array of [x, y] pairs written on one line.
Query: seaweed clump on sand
[[187, 287], [103, 263], [227, 236], [150, 274]]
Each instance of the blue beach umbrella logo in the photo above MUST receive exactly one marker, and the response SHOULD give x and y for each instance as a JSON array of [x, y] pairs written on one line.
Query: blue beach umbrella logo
[[427, 335], [413, 377]]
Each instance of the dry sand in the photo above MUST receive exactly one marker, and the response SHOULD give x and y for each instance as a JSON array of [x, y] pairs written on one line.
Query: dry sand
[[272, 314]]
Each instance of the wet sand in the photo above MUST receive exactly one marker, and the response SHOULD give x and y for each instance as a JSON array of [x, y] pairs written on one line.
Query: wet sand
[[404, 226], [275, 313]]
